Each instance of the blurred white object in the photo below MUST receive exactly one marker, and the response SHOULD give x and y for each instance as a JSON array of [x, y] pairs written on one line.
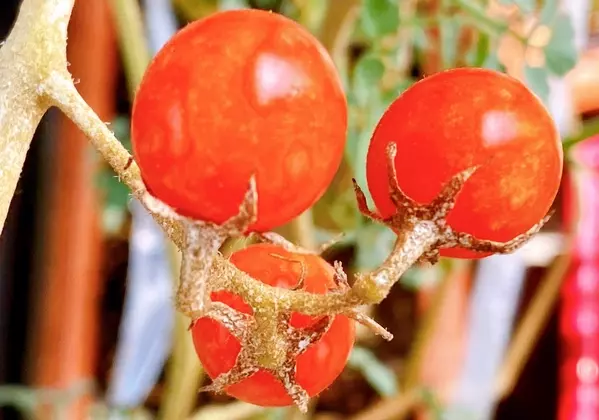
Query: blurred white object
[[145, 337], [495, 300]]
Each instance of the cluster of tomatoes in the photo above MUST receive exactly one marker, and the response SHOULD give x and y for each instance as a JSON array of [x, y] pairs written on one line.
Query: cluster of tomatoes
[[249, 93]]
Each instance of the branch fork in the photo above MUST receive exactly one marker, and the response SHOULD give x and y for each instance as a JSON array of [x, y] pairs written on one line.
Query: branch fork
[[202, 240], [268, 343]]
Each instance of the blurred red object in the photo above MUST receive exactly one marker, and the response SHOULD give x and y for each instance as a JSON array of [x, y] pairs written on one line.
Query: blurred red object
[[579, 317], [67, 324]]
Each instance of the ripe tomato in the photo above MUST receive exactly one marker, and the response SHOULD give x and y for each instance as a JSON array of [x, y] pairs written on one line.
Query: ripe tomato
[[317, 367], [464, 117], [241, 92]]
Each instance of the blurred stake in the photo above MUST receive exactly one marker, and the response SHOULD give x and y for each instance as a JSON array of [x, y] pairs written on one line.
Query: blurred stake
[[531, 327], [495, 299], [425, 332], [184, 373], [145, 333], [392, 409], [65, 334], [134, 51], [448, 337]]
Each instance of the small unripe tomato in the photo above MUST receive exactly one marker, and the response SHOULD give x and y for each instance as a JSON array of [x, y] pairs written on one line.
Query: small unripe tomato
[[240, 93], [461, 118], [317, 367]]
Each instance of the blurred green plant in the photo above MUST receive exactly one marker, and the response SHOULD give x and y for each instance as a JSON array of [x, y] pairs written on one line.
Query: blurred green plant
[[114, 193], [28, 400], [379, 376]]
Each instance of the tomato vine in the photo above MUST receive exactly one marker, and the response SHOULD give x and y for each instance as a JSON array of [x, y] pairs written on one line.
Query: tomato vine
[[38, 68]]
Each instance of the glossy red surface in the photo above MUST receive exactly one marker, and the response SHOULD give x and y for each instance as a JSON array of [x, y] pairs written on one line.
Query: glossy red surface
[[317, 367], [464, 117], [239, 93]]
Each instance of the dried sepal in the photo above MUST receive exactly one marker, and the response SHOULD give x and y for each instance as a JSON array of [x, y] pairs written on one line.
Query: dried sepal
[[411, 215], [398, 197], [257, 341], [422, 230], [469, 241]]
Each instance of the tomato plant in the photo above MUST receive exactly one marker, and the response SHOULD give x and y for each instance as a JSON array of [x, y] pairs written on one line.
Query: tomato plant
[[468, 117], [240, 93], [317, 367]]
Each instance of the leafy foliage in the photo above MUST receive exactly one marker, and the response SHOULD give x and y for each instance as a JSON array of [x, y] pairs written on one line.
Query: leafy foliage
[[379, 376]]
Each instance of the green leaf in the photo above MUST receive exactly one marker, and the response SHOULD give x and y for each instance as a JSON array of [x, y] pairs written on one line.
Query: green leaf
[[121, 127], [537, 79], [526, 6], [480, 51], [23, 399], [266, 4], [432, 402], [492, 62], [548, 12], [475, 14], [116, 198], [560, 52], [390, 95], [417, 278], [233, 4], [367, 74], [448, 32], [117, 194], [356, 150], [374, 244], [379, 376], [420, 38], [379, 17]]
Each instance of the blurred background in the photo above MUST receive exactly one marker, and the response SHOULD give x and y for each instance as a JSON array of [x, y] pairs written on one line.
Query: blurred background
[[87, 328]]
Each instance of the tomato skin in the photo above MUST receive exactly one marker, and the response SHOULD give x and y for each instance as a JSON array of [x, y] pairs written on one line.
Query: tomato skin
[[317, 367], [464, 117], [241, 92]]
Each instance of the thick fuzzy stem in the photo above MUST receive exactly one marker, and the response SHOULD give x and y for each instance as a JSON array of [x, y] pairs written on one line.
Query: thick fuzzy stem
[[193, 294], [411, 244], [35, 47], [61, 92]]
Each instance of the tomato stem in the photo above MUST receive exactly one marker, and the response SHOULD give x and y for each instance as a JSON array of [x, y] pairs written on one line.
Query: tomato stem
[[409, 247], [412, 224]]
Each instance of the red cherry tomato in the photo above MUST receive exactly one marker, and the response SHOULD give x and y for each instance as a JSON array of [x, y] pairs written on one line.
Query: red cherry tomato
[[239, 93], [317, 367], [464, 117]]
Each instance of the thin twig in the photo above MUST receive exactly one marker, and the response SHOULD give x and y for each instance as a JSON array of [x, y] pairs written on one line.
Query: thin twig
[[395, 408], [129, 24]]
